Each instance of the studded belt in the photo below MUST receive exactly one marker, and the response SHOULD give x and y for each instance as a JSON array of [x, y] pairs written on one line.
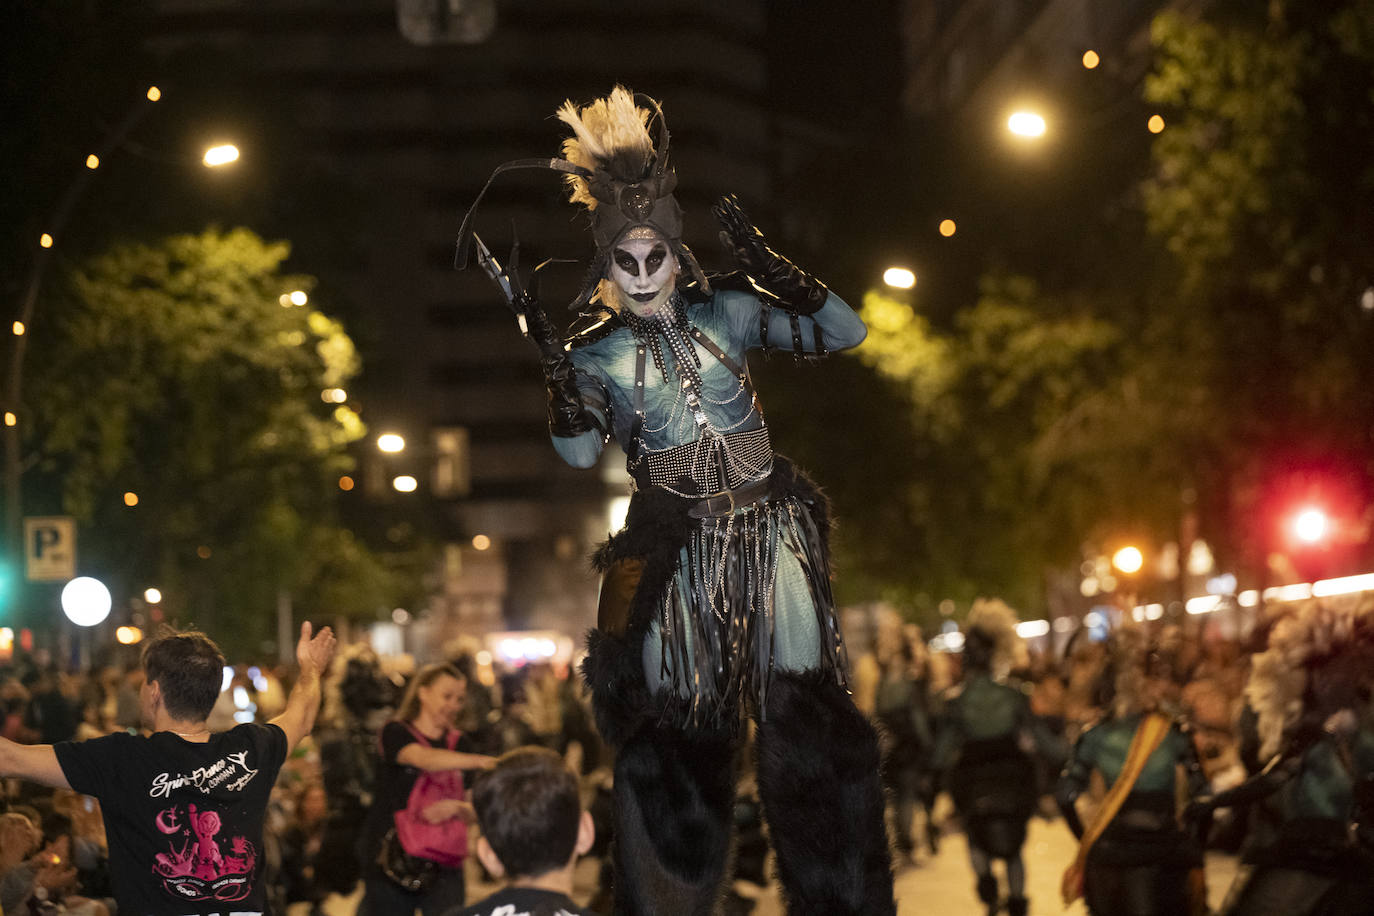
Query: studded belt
[[727, 501]]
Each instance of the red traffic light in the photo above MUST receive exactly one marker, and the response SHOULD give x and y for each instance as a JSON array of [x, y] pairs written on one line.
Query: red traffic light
[[1311, 525]]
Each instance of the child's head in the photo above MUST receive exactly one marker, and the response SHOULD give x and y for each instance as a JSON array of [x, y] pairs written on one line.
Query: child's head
[[530, 813]]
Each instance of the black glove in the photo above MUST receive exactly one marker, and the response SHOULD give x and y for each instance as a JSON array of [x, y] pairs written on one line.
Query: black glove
[[566, 414], [797, 291]]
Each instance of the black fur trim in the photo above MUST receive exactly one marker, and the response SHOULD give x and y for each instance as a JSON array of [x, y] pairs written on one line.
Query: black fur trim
[[819, 783], [674, 799]]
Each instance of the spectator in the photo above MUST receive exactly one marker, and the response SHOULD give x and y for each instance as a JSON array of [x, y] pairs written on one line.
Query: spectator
[[533, 831], [419, 740], [42, 881], [301, 846], [51, 712], [184, 807]]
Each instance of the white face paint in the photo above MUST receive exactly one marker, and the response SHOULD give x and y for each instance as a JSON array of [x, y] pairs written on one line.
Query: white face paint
[[645, 272]]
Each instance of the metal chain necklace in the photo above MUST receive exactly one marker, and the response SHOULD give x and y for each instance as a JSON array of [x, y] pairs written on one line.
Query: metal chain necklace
[[654, 332]]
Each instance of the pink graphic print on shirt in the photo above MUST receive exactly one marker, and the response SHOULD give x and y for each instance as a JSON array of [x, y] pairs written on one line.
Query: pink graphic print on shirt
[[195, 867]]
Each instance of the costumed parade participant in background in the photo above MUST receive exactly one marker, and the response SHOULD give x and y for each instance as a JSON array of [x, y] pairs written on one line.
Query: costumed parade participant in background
[[903, 707], [1135, 859], [1311, 844], [715, 598], [358, 698], [983, 748]]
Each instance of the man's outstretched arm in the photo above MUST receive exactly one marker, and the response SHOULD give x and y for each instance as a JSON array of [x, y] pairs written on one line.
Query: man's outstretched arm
[[34, 762], [313, 653]]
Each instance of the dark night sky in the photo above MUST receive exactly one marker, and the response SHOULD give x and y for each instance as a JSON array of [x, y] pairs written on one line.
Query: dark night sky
[[833, 64]]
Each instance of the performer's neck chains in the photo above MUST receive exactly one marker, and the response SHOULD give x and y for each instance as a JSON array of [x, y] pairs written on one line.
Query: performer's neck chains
[[653, 332]]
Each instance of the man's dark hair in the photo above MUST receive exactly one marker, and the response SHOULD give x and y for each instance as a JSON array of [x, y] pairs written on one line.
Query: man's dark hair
[[189, 668], [529, 809]]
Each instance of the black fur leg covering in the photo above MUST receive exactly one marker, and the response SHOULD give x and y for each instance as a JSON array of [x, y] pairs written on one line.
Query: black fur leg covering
[[822, 797], [674, 794]]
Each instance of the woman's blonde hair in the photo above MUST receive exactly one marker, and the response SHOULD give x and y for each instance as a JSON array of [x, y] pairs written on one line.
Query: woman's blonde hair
[[410, 703]]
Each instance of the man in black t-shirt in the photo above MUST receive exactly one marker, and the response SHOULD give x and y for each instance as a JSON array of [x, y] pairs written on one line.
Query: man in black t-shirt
[[533, 830], [184, 807]]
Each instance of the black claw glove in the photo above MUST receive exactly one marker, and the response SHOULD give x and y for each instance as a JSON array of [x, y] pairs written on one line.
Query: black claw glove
[[796, 290], [566, 415]]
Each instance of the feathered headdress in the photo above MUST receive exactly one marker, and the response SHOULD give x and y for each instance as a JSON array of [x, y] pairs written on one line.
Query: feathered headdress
[[990, 639], [614, 168], [1320, 637]]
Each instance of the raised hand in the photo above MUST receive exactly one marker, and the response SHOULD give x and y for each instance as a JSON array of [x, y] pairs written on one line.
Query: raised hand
[[796, 290], [740, 237], [315, 650]]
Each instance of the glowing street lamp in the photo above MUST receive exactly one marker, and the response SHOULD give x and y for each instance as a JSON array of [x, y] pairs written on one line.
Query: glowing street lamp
[[391, 443], [86, 601], [899, 278], [1026, 124], [223, 154], [1129, 560]]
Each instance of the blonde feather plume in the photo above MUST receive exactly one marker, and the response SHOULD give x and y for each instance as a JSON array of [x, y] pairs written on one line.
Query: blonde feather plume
[[997, 622], [1306, 634], [610, 133]]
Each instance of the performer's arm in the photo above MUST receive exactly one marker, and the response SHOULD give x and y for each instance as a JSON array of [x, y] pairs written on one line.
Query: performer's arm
[[34, 762], [815, 320], [1073, 781], [577, 417], [1264, 783]]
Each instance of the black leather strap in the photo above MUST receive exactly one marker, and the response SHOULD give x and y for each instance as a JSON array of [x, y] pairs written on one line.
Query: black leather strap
[[718, 352], [727, 501]]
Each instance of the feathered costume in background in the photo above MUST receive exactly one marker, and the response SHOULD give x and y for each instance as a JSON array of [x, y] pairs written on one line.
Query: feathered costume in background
[[1331, 637], [1310, 849]]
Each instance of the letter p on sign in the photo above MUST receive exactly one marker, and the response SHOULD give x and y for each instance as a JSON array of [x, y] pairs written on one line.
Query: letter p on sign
[[50, 548]]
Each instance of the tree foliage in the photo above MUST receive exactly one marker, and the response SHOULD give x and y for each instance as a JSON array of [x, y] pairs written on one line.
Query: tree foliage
[[175, 372], [1263, 190]]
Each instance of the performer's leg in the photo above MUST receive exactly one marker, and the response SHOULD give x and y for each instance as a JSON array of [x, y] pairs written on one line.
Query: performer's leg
[[818, 779], [1017, 905], [674, 788], [674, 793], [982, 870]]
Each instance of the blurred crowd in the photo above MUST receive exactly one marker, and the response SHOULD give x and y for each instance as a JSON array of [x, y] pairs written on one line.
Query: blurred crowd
[[52, 844], [903, 685]]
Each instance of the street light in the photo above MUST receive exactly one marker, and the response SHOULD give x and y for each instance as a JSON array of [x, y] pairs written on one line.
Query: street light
[[899, 278], [223, 154], [1026, 124], [391, 443], [86, 601], [1129, 560]]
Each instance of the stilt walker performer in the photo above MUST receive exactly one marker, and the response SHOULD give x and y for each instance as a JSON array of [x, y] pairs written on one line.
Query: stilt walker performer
[[715, 598]]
